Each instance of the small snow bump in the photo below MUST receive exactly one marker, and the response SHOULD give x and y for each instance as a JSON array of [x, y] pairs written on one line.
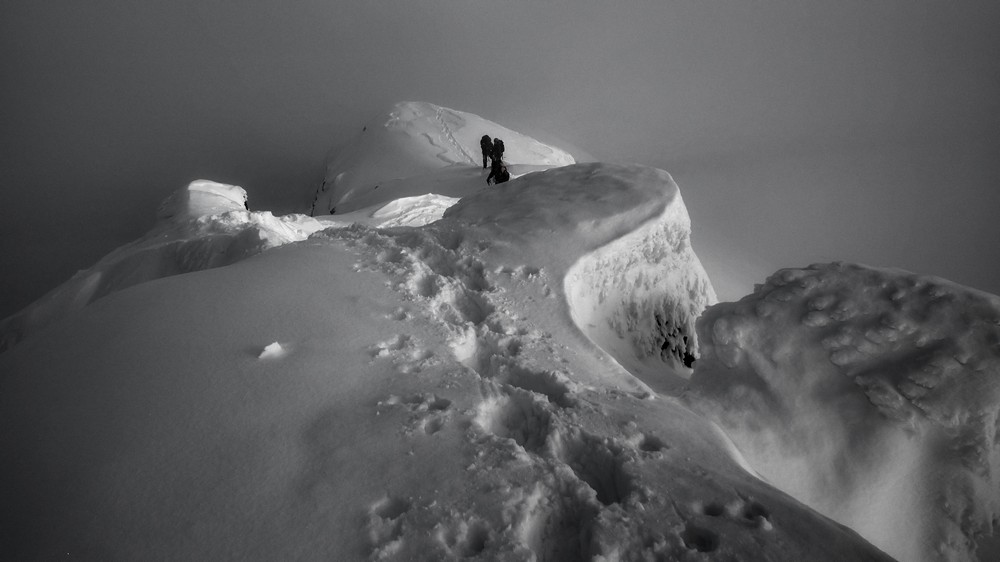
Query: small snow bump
[[273, 351]]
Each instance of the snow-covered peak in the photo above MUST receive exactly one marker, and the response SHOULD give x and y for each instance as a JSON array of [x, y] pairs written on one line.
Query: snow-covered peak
[[413, 139], [872, 395]]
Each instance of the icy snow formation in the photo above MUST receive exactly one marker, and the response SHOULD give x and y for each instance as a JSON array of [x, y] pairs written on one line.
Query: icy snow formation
[[433, 399], [201, 226], [417, 210], [871, 395], [406, 151]]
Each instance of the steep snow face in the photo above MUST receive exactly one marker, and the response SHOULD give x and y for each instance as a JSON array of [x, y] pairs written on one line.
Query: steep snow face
[[201, 226], [638, 296], [399, 393], [871, 395], [416, 138]]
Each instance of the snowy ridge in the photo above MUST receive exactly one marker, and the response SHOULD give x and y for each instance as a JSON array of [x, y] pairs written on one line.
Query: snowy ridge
[[201, 226], [872, 395], [385, 393], [415, 139], [413, 379]]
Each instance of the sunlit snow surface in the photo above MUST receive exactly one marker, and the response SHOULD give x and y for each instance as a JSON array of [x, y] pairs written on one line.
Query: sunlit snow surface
[[495, 380]]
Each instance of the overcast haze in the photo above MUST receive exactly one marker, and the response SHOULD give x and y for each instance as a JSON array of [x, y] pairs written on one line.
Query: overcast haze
[[797, 131]]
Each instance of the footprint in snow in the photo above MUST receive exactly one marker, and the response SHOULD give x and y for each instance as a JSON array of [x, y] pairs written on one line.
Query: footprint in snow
[[385, 524], [428, 412]]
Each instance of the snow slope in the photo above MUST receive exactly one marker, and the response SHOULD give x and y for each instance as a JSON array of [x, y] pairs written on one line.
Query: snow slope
[[398, 393], [872, 395]]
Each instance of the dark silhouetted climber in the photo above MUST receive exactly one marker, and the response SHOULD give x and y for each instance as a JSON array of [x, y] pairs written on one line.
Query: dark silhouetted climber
[[486, 144], [498, 172], [497, 153]]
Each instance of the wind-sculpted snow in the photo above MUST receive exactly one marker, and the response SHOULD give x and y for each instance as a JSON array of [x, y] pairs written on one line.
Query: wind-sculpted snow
[[202, 226], [413, 144], [871, 395], [633, 283], [384, 394], [638, 296]]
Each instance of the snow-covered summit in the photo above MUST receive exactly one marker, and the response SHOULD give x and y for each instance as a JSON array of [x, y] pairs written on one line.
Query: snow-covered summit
[[416, 138]]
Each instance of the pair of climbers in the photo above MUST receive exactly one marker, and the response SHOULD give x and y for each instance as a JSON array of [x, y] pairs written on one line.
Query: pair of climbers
[[494, 150]]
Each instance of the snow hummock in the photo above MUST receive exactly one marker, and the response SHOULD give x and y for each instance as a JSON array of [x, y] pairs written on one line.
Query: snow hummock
[[872, 395], [488, 384]]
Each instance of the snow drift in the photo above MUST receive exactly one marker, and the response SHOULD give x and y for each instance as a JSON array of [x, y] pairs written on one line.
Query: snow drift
[[397, 393], [871, 395]]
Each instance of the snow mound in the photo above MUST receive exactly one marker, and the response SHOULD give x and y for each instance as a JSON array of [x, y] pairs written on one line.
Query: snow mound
[[871, 395], [202, 197], [415, 139], [201, 226]]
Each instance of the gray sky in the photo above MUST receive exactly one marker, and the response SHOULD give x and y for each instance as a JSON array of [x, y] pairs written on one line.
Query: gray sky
[[799, 131]]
